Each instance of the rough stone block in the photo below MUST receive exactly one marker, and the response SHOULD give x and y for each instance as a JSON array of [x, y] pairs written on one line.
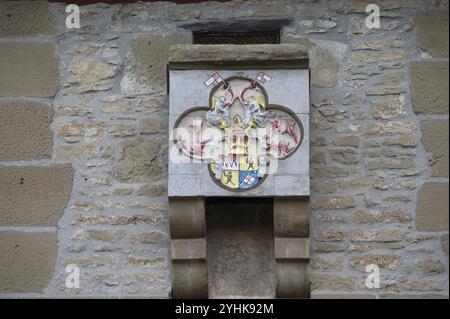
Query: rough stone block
[[429, 86], [435, 140], [27, 260], [25, 18], [32, 195], [432, 207], [140, 161], [291, 217], [25, 130], [187, 218], [326, 58], [146, 63], [90, 74], [432, 32], [28, 69]]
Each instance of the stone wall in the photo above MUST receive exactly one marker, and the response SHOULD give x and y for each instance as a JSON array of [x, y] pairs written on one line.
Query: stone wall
[[83, 144]]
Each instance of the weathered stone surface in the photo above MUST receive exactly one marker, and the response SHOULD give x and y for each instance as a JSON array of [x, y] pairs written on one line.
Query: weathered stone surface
[[391, 164], [384, 90], [330, 186], [26, 18], [106, 234], [291, 217], [345, 156], [187, 217], [321, 263], [292, 278], [329, 234], [115, 108], [432, 32], [420, 285], [144, 261], [375, 235], [25, 130], [146, 63], [90, 74], [76, 151], [372, 217], [152, 190], [190, 279], [359, 6], [432, 207], [431, 266], [444, 243], [332, 282], [351, 140], [223, 52], [386, 56], [28, 69], [122, 130], [34, 195], [391, 127], [338, 202], [140, 161], [394, 77], [230, 236], [329, 247], [74, 110], [27, 260], [379, 44], [322, 170], [184, 249], [389, 109], [405, 141], [318, 157], [153, 124], [435, 139], [383, 261], [388, 152], [70, 131], [89, 261], [326, 58], [147, 238], [291, 248], [114, 219], [429, 86]]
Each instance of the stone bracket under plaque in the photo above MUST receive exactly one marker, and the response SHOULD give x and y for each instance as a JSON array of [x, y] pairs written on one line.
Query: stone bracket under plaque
[[239, 127]]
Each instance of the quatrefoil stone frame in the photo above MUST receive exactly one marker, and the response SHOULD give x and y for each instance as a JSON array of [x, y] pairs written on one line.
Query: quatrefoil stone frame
[[238, 117]]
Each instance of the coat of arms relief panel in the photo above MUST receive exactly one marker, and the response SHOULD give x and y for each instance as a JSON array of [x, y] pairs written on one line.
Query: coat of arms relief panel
[[240, 131]]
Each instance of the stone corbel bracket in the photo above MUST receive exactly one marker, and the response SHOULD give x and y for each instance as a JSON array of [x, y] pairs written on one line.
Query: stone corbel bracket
[[188, 248], [187, 209]]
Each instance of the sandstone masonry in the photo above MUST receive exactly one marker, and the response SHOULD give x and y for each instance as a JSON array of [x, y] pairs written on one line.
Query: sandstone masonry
[[83, 144]]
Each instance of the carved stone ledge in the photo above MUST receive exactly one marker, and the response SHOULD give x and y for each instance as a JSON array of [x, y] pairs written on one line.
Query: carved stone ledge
[[238, 56]]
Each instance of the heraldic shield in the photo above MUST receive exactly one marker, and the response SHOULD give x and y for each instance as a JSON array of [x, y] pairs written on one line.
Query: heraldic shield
[[239, 134]]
